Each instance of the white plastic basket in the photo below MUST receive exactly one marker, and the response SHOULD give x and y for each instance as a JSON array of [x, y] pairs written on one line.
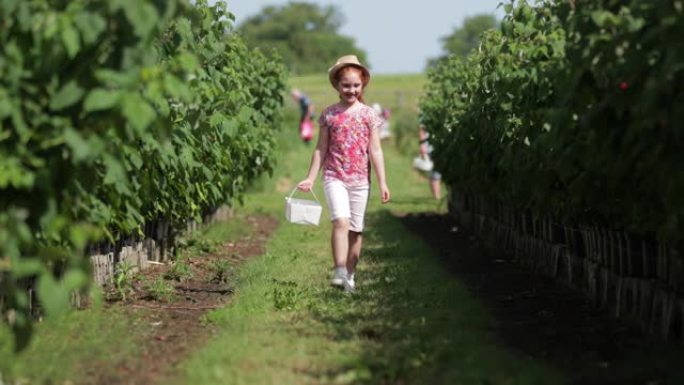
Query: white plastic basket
[[423, 163], [302, 211]]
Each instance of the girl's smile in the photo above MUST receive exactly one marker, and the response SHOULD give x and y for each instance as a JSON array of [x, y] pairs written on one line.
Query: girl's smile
[[350, 87]]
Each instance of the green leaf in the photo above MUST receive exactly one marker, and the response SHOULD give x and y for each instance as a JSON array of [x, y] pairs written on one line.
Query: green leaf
[[143, 16], [230, 127], [67, 96], [245, 113], [176, 88], [5, 104], [15, 174], [74, 279], [138, 112], [101, 99], [188, 62], [636, 24], [71, 39], [80, 148], [135, 160], [26, 267], [91, 26], [187, 157], [112, 79], [115, 172], [20, 125], [54, 297], [600, 17], [216, 119], [80, 235]]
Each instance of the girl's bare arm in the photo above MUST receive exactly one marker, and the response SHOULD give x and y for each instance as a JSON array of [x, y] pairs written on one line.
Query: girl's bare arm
[[378, 160], [316, 160]]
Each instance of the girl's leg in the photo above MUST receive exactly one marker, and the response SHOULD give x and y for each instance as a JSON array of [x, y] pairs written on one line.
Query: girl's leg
[[340, 241], [435, 187], [355, 241], [358, 200], [338, 203], [436, 184]]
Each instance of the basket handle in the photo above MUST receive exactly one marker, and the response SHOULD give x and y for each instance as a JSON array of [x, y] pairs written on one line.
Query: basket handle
[[310, 190]]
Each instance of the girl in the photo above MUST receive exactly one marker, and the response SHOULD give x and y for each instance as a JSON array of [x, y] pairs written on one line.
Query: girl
[[426, 151], [349, 136]]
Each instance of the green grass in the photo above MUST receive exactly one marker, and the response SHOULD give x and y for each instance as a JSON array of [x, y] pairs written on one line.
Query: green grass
[[72, 347], [409, 322], [206, 239], [221, 231]]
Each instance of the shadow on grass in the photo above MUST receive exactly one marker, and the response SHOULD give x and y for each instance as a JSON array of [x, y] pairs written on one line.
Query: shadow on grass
[[415, 323], [543, 319]]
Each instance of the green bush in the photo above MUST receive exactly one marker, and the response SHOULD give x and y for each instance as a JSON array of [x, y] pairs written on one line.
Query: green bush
[[404, 126], [114, 113], [571, 109]]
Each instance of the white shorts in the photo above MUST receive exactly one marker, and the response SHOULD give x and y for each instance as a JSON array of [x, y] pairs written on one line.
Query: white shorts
[[346, 202]]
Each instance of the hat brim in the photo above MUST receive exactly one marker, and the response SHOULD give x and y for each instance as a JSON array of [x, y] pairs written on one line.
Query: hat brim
[[337, 67]]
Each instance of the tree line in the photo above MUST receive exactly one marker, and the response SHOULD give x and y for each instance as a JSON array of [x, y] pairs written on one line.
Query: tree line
[[307, 36]]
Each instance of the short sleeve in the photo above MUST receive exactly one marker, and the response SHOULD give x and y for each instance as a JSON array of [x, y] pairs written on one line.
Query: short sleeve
[[374, 120]]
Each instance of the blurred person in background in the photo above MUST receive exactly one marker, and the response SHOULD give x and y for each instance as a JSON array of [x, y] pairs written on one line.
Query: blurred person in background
[[384, 113], [425, 152], [306, 109], [306, 115]]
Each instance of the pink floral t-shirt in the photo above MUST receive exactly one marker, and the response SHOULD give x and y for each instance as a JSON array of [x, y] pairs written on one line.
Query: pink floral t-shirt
[[348, 138]]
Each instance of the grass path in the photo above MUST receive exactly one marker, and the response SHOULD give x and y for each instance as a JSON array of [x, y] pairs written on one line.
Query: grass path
[[408, 323]]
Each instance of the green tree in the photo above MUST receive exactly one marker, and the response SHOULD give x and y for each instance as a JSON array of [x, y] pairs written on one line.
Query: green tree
[[304, 35], [463, 39]]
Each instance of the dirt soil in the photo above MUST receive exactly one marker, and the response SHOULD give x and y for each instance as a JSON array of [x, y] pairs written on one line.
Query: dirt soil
[[545, 320], [172, 329]]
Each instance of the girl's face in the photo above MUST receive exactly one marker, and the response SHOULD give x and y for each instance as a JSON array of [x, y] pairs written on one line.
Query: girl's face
[[350, 85]]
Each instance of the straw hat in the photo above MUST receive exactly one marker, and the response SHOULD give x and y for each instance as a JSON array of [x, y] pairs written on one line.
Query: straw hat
[[345, 61]]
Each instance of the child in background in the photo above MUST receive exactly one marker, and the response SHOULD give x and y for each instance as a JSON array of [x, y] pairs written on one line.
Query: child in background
[[426, 151], [306, 114], [384, 113], [306, 109], [349, 136], [385, 131]]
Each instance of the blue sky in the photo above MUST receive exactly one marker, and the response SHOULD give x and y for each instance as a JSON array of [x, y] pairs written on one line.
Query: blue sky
[[399, 36]]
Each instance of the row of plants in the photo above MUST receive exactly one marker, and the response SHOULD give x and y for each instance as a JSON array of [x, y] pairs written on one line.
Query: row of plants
[[570, 109], [113, 114]]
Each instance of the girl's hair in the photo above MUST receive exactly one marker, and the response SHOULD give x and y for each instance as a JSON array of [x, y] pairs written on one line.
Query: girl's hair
[[362, 75]]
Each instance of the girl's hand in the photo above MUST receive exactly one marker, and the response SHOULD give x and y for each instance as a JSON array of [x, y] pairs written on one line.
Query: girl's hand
[[384, 193], [305, 185]]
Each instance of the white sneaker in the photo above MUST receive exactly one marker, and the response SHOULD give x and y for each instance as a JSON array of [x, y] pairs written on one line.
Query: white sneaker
[[340, 277], [349, 284]]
